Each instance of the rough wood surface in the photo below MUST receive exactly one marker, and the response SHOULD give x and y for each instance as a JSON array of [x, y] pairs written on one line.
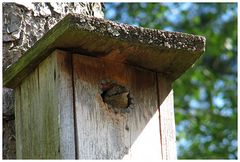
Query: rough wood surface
[[64, 91], [167, 120], [18, 123], [147, 144], [44, 114], [171, 53], [102, 134]]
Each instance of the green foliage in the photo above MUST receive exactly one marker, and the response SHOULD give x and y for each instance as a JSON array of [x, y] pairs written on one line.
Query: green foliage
[[206, 95]]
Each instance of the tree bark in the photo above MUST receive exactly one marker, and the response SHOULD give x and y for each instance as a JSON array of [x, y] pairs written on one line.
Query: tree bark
[[23, 25]]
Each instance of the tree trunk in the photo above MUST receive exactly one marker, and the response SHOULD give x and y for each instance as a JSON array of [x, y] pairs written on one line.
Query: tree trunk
[[23, 25]]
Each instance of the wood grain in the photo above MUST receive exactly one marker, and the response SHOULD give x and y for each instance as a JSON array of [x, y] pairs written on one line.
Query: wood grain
[[64, 87], [103, 134], [18, 123], [44, 113], [167, 120]]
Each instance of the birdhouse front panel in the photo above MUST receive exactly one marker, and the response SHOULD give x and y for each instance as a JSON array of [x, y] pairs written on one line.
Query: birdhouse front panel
[[114, 103]]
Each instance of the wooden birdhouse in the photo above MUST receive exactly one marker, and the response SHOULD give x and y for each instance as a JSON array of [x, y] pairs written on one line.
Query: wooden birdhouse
[[96, 89]]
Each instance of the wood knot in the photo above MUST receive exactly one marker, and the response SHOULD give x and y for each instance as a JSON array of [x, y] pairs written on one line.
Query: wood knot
[[117, 97]]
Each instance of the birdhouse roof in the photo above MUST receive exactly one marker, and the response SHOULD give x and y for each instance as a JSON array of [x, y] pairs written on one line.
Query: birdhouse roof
[[169, 53]]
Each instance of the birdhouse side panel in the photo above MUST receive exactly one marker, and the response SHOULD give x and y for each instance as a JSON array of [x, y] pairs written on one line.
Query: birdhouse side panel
[[167, 119], [37, 118], [44, 112]]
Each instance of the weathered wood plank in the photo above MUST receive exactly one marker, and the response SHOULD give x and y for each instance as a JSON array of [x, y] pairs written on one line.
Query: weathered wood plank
[[44, 109], [147, 145], [26, 118], [35, 118], [18, 123], [152, 49], [101, 133], [143, 121], [64, 87], [167, 120], [50, 114]]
